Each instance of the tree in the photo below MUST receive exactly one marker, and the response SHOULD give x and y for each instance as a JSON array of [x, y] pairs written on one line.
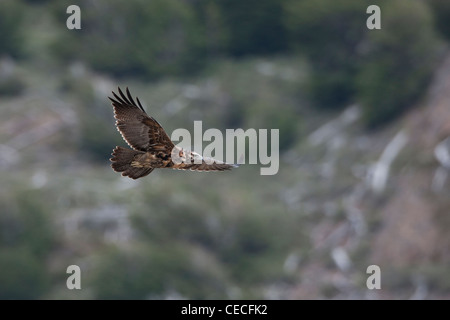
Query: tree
[[329, 33], [398, 61]]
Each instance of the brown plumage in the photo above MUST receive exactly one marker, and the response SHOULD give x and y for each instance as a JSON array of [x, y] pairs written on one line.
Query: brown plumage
[[151, 146]]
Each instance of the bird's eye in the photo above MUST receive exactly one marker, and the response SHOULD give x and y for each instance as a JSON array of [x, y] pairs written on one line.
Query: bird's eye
[[181, 154]]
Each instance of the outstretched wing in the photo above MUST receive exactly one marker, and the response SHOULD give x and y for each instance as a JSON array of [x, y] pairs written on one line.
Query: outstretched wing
[[139, 130], [208, 165]]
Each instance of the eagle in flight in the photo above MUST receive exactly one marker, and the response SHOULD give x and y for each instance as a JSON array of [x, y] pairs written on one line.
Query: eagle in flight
[[151, 146]]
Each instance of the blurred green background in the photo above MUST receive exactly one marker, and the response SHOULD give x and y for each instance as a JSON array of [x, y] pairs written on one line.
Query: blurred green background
[[363, 116]]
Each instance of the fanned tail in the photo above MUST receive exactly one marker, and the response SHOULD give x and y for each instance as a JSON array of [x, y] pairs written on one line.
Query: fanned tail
[[121, 162]]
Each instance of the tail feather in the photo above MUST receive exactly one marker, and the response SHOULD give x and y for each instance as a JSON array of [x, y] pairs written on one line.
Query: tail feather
[[121, 162]]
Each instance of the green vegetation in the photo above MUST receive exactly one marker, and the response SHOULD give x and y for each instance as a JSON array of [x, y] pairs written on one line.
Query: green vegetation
[[11, 17], [27, 238], [384, 70], [253, 27], [290, 65], [398, 63], [329, 33], [441, 12], [348, 63], [164, 35]]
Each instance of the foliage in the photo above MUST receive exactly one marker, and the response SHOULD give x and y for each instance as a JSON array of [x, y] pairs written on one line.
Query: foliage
[[398, 62], [347, 62], [36, 1], [350, 63], [97, 138], [26, 224], [441, 13], [251, 247], [329, 33], [253, 27], [11, 35], [162, 37], [147, 272], [26, 239], [23, 275], [204, 236], [11, 85], [170, 37]]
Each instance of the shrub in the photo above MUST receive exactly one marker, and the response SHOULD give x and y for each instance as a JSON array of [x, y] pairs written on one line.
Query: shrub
[[253, 27], [398, 62], [11, 85], [97, 135], [143, 38], [11, 37], [23, 275], [26, 224], [329, 33], [148, 272], [441, 12], [26, 239]]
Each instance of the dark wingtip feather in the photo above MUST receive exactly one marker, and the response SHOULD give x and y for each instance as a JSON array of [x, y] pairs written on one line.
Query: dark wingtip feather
[[123, 96], [129, 95], [118, 99], [127, 99], [139, 103], [130, 98]]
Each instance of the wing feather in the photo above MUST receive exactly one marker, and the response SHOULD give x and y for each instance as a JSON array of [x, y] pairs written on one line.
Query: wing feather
[[206, 166], [141, 131]]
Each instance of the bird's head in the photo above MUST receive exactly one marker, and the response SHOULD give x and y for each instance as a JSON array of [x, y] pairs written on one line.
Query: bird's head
[[179, 155], [182, 155]]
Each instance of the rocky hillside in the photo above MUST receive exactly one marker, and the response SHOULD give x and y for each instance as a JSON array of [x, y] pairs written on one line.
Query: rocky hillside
[[385, 203], [344, 198], [364, 153]]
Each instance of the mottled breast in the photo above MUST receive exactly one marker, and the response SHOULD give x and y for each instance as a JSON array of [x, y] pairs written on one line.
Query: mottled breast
[[151, 160]]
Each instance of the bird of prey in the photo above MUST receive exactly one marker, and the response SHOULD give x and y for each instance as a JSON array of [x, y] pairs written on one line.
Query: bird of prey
[[151, 146]]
